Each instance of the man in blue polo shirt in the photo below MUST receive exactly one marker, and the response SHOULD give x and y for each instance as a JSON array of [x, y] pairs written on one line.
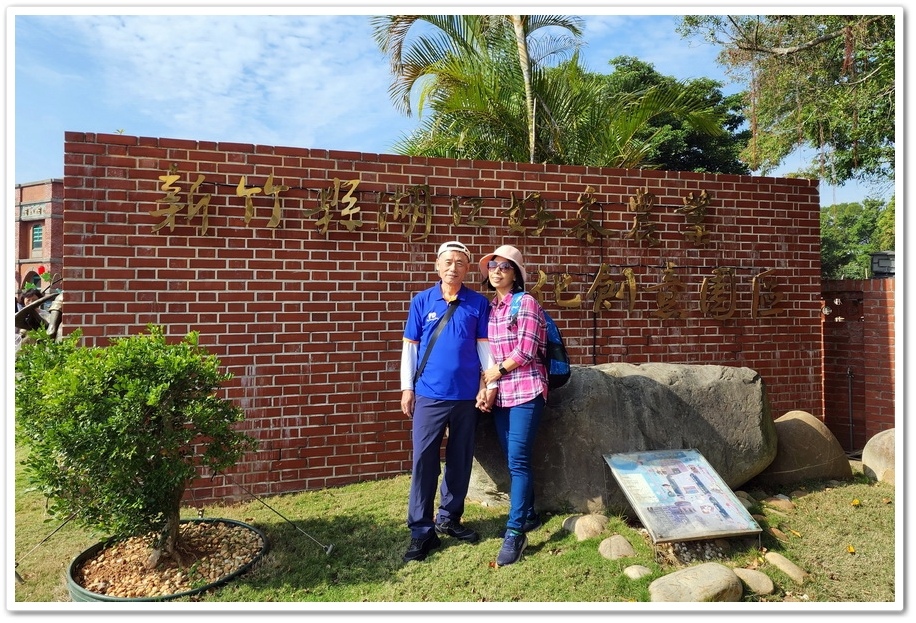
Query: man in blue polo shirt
[[441, 363]]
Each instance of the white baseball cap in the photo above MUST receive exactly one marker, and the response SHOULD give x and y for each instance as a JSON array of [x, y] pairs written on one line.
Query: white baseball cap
[[454, 245]]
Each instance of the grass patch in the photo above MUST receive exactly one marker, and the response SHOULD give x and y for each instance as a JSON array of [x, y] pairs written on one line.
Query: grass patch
[[842, 534]]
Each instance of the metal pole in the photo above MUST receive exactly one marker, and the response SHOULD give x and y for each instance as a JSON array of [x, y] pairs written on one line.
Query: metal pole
[[849, 377]]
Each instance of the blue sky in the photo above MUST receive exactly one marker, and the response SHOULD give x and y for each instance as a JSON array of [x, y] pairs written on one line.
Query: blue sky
[[297, 77]]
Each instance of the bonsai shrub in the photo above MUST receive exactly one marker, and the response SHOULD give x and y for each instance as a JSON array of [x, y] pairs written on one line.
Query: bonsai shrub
[[115, 434]]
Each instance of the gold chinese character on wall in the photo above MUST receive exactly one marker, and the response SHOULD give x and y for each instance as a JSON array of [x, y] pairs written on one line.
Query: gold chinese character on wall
[[517, 214], [717, 294], [173, 204], [643, 229], [668, 294], [607, 287], [560, 284], [586, 227], [476, 204], [694, 210], [329, 198], [767, 295], [418, 208], [269, 189]]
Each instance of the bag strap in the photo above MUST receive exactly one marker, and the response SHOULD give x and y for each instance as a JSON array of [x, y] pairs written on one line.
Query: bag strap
[[515, 305], [452, 306]]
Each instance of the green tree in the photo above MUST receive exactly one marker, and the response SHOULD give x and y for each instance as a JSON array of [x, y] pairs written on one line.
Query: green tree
[[885, 236], [598, 121], [820, 81], [458, 38], [116, 433], [483, 103], [850, 233], [677, 145]]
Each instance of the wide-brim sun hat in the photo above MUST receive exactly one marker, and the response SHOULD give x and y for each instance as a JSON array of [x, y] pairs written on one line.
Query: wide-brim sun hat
[[453, 245], [510, 253]]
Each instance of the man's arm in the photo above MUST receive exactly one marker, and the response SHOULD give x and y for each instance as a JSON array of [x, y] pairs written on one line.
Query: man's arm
[[408, 368]]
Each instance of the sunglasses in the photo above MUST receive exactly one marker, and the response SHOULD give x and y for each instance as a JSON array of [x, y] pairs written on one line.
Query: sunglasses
[[500, 266]]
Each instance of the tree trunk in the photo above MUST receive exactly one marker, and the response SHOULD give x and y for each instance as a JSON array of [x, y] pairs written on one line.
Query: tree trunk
[[524, 61]]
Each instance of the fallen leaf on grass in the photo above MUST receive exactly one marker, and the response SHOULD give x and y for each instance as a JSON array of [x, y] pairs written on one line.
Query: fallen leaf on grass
[[850, 549]]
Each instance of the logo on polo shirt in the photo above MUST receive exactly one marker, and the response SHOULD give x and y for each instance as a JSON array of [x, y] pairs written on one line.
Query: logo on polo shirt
[[431, 317]]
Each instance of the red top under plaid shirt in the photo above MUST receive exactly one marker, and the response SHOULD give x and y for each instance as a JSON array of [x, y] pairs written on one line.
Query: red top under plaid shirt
[[520, 341]]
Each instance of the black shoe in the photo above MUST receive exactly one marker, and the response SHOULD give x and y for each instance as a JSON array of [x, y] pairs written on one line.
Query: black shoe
[[419, 548], [513, 546], [532, 523], [455, 529]]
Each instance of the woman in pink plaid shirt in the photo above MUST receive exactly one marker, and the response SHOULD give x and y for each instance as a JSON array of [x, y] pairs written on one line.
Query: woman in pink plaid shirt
[[517, 345]]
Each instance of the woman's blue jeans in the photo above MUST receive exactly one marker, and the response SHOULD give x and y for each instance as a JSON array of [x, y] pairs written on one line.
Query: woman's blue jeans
[[516, 428]]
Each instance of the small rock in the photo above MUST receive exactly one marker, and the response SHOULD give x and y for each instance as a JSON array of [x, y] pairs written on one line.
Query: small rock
[[615, 547], [778, 534], [795, 573], [634, 572], [702, 583], [757, 582], [780, 502], [586, 526]]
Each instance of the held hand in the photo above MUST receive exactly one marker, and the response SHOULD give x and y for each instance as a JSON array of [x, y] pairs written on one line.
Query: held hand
[[481, 402], [485, 399], [408, 400], [491, 398]]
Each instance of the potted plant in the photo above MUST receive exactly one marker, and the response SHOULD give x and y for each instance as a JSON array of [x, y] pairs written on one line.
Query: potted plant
[[115, 434]]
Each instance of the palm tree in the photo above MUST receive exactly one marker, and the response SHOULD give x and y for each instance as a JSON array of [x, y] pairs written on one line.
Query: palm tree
[[494, 97], [466, 39]]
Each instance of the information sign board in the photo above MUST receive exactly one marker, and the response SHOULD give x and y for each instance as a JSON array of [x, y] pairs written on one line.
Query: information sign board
[[678, 496]]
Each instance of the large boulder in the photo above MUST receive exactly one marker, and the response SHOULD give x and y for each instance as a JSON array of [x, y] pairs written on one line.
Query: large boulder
[[721, 411], [806, 450], [878, 457]]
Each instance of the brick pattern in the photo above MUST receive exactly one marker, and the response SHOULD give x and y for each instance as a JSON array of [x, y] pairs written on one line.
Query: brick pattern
[[859, 360], [310, 321], [30, 196]]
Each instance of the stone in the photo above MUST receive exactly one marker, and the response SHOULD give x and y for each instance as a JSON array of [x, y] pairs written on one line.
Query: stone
[[777, 534], [635, 572], [586, 526], [780, 502], [806, 449], [616, 546], [744, 495], [707, 582], [721, 411], [795, 573], [757, 582], [878, 457]]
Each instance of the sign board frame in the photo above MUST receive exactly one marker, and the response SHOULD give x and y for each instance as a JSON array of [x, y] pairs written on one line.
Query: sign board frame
[[678, 496]]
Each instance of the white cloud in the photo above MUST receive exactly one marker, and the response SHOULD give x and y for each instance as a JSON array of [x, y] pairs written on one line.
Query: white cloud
[[253, 78]]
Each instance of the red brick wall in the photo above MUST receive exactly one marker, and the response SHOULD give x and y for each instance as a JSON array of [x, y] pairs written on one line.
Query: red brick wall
[[309, 320], [859, 359]]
